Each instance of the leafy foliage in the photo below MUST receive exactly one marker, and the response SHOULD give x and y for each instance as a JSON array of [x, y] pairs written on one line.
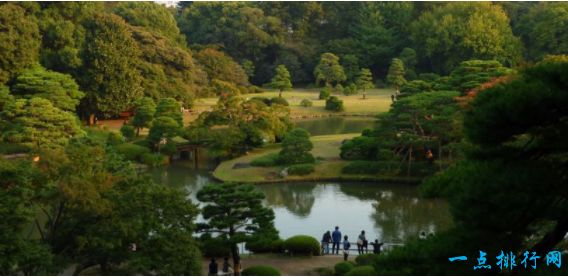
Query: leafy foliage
[[334, 104], [296, 148], [281, 79], [302, 245], [261, 270], [329, 71]]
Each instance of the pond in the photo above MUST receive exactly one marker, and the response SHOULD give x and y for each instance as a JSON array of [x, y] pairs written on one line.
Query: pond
[[388, 212], [336, 125]]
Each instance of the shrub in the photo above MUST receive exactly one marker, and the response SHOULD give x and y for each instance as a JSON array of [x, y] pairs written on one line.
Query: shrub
[[324, 271], [114, 139], [266, 160], [302, 244], [279, 101], [359, 148], [261, 270], [365, 270], [429, 77], [296, 147], [255, 89], [338, 88], [365, 259], [264, 100], [214, 247], [342, 268], [324, 93], [128, 131], [351, 89], [334, 104], [416, 86], [151, 159], [131, 151], [306, 103], [243, 89], [265, 245], [301, 169]]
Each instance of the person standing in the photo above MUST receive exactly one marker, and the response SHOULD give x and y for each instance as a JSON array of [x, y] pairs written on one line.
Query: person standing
[[213, 267], [377, 246], [226, 266], [336, 240], [325, 241], [361, 242], [346, 246]]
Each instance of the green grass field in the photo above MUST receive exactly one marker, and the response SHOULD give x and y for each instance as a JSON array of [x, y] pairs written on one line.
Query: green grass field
[[326, 149]]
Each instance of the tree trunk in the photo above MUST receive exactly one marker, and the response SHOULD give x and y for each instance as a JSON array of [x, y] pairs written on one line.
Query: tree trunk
[[236, 260], [409, 161], [364, 95], [280, 94], [138, 131], [91, 119]]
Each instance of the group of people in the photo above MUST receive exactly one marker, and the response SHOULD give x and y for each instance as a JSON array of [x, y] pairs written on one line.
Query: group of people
[[214, 267], [335, 240]]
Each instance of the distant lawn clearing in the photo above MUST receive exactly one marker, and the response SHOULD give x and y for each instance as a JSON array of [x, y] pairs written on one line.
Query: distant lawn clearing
[[329, 167]]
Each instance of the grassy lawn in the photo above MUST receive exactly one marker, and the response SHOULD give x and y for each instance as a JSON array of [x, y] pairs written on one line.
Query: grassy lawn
[[329, 166], [378, 101]]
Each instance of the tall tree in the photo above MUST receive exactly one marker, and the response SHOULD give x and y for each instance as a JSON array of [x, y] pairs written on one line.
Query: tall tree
[[235, 212], [37, 123], [144, 111], [281, 80], [59, 88], [110, 77], [409, 59], [296, 147], [395, 76], [452, 33], [364, 80], [171, 108], [220, 66], [543, 28], [329, 70], [19, 41]]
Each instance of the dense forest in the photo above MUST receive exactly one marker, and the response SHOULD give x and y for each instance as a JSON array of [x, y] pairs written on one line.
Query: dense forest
[[475, 97], [177, 52]]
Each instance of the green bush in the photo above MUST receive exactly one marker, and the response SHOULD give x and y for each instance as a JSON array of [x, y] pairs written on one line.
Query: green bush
[[132, 152], [261, 270], [306, 103], [153, 159], [266, 160], [338, 88], [265, 245], [365, 259], [114, 139], [324, 271], [213, 247], [279, 101], [416, 86], [128, 131], [255, 89], [342, 268], [359, 148], [13, 148], [351, 89], [303, 245], [300, 169], [361, 167], [324, 93], [334, 104], [365, 270]]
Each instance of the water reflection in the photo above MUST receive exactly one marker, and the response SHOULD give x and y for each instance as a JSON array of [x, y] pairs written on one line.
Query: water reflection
[[390, 213]]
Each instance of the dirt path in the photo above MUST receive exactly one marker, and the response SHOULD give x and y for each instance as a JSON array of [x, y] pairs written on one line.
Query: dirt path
[[293, 266]]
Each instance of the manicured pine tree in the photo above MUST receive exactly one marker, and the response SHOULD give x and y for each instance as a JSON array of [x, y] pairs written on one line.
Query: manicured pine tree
[[395, 76], [364, 80], [281, 80]]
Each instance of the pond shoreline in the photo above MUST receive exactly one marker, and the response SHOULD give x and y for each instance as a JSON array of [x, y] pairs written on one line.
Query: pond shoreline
[[359, 179]]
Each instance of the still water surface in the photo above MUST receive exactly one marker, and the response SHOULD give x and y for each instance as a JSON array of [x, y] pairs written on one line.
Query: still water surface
[[389, 212]]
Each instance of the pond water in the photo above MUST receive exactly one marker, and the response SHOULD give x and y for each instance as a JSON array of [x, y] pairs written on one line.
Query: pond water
[[388, 212], [336, 125]]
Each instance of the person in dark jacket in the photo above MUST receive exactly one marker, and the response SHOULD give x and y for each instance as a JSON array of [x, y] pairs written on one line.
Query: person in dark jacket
[[325, 241], [213, 267], [377, 246], [336, 240], [346, 246]]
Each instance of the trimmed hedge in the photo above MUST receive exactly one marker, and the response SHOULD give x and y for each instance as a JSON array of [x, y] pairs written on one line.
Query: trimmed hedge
[[300, 169], [279, 101], [131, 151], [301, 244], [324, 94], [266, 160], [365, 270], [306, 103], [265, 246], [128, 131], [342, 268], [214, 247], [260, 270], [334, 104], [362, 167]]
